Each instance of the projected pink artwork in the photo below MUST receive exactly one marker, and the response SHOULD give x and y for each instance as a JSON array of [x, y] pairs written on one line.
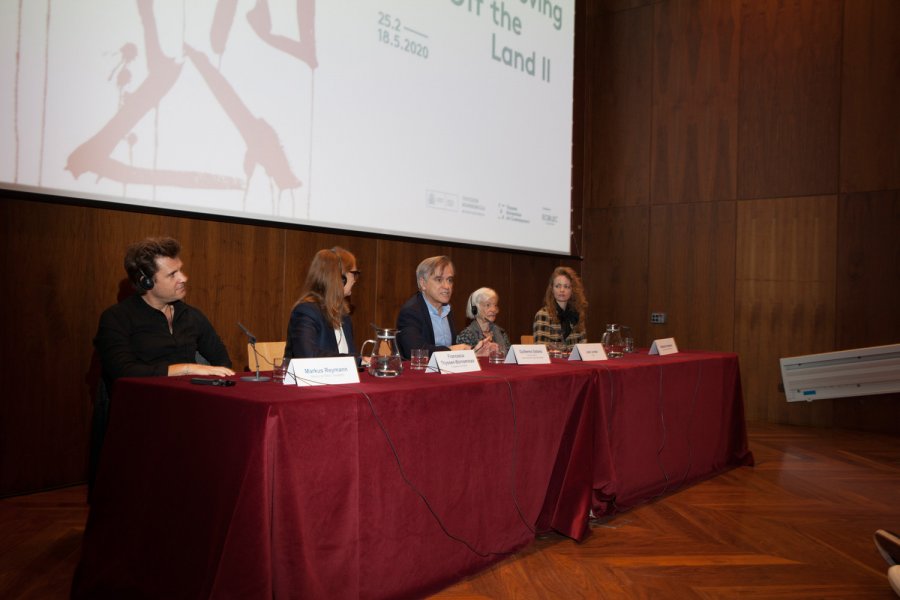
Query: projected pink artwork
[[262, 145], [426, 119]]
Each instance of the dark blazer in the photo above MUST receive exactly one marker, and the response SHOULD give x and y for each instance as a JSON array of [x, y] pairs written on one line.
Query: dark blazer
[[414, 327], [310, 335]]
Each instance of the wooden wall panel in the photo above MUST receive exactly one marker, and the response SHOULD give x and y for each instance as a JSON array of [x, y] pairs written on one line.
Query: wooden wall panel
[[790, 98], [691, 273], [785, 290], [695, 95], [776, 319], [868, 269], [42, 276], [619, 86], [616, 275], [232, 277], [528, 279], [599, 6], [868, 286], [870, 95]]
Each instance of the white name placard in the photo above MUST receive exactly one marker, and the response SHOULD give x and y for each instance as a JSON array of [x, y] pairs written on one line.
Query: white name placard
[[528, 354], [332, 370], [664, 346], [453, 361], [588, 352]]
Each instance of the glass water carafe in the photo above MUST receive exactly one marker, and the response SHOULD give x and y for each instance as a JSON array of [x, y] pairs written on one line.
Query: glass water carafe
[[385, 359], [612, 341]]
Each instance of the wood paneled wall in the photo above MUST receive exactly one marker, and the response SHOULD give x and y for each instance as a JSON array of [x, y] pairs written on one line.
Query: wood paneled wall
[[745, 163], [741, 172]]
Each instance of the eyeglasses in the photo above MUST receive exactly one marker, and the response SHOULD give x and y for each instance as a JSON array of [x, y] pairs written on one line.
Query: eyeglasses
[[356, 274]]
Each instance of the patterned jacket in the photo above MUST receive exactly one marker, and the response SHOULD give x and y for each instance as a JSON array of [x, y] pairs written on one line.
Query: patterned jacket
[[549, 331]]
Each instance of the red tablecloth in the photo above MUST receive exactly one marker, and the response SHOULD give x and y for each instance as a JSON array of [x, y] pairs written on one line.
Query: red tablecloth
[[390, 488], [270, 491], [664, 422]]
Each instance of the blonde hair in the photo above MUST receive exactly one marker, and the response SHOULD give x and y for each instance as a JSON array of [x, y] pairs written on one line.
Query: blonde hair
[[578, 301]]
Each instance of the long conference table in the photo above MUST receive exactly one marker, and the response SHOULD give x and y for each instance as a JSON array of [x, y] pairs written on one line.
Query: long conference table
[[390, 487]]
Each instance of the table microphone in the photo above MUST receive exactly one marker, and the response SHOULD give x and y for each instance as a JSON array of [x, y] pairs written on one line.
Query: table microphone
[[252, 339]]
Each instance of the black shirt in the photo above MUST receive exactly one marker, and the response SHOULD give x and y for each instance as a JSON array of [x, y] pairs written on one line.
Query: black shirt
[[133, 339]]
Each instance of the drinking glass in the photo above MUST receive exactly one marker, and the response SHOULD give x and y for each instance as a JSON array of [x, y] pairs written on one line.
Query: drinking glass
[[496, 356], [279, 369], [628, 339], [418, 359]]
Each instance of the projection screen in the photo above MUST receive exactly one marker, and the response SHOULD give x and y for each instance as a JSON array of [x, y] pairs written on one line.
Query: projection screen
[[446, 120]]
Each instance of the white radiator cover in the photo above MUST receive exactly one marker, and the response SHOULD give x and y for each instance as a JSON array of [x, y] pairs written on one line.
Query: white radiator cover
[[858, 372]]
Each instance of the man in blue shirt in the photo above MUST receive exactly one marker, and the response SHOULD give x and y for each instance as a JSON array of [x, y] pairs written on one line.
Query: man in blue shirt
[[424, 320]]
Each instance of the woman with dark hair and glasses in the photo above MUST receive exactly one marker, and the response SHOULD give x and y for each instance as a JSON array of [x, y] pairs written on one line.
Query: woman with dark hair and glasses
[[561, 320], [320, 320]]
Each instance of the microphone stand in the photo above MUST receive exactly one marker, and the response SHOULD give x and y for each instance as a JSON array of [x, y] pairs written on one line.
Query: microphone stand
[[252, 340]]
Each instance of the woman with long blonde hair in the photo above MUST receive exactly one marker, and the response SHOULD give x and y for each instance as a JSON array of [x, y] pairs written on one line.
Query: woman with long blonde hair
[[562, 318]]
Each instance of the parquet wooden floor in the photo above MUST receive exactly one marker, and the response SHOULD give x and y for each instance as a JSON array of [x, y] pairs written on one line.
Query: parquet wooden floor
[[797, 525]]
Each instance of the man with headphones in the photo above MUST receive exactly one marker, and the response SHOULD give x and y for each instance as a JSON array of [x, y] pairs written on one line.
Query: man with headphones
[[154, 332]]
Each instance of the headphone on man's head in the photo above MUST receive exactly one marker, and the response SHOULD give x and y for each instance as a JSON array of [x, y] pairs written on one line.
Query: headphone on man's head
[[474, 309], [144, 282]]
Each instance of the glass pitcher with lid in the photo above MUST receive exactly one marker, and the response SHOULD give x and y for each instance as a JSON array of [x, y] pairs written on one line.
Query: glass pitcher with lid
[[385, 359], [612, 341]]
